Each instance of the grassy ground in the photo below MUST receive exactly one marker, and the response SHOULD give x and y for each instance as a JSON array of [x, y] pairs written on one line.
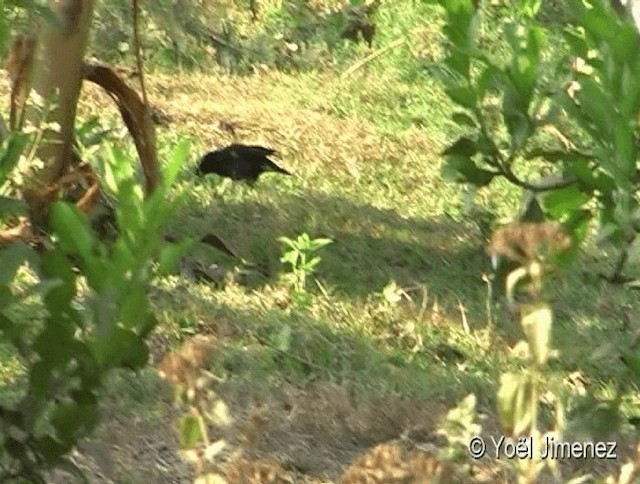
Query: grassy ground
[[356, 368]]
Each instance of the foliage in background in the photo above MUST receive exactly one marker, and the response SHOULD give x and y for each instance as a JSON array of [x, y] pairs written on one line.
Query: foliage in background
[[237, 35], [572, 113], [84, 333], [17, 15]]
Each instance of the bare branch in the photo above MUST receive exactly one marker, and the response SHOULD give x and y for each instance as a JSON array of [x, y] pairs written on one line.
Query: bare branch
[[135, 117]]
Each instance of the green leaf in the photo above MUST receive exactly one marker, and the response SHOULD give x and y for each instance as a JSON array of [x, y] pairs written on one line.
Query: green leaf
[[134, 307], [576, 41], [462, 169], [625, 44], [524, 67], [597, 106], [488, 79], [16, 449], [313, 262], [564, 201], [146, 326], [597, 21], [625, 150], [88, 369], [317, 244], [56, 267], [462, 119], [516, 117], [459, 62], [459, 28], [190, 431], [290, 257], [464, 96], [287, 241], [630, 91], [121, 348], [514, 403], [464, 146], [72, 420], [171, 255], [51, 449], [11, 416], [577, 224], [529, 8], [178, 157], [520, 128], [576, 112], [536, 322], [10, 150], [39, 376], [13, 332], [71, 226], [54, 344], [11, 258], [588, 178]]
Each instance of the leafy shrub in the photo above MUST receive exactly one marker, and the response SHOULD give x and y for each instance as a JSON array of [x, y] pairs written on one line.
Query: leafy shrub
[[566, 102], [84, 334], [569, 110]]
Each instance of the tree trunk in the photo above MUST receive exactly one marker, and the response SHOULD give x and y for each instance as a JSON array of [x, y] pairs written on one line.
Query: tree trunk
[[57, 76]]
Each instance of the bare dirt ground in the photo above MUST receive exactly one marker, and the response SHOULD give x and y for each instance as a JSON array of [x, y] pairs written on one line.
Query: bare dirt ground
[[319, 434]]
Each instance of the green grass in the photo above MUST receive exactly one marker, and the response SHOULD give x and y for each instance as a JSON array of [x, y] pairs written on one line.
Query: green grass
[[366, 156], [365, 153], [368, 176]]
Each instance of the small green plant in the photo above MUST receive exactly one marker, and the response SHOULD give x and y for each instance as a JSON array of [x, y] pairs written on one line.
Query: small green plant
[[536, 247], [520, 391], [299, 254], [83, 334], [459, 427], [187, 368]]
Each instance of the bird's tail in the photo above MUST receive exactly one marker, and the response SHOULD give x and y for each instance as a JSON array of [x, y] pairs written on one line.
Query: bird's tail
[[277, 169]]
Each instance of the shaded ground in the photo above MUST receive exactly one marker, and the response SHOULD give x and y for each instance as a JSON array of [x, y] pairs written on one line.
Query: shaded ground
[[323, 433]]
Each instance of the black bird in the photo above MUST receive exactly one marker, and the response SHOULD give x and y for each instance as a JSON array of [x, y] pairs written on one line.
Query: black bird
[[239, 162]]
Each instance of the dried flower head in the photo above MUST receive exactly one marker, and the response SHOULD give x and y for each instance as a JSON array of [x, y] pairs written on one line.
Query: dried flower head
[[183, 365], [244, 471], [388, 463], [527, 242]]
